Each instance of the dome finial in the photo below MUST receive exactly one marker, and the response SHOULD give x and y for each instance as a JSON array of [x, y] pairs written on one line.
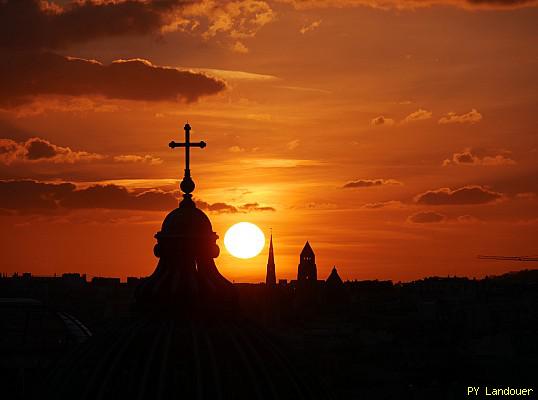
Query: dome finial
[[187, 184]]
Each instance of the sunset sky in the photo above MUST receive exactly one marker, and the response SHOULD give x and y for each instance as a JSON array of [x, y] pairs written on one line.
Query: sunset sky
[[400, 137]]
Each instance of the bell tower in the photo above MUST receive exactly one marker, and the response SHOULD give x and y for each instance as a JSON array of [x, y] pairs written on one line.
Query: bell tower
[[307, 265]]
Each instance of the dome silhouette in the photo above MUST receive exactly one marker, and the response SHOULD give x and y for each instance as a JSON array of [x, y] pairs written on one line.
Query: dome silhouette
[[186, 338], [156, 358]]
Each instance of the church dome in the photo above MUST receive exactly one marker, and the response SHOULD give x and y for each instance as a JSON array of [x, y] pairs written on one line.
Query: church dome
[[186, 220], [155, 358]]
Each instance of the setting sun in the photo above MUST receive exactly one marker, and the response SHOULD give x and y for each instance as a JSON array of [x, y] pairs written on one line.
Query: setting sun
[[244, 240]]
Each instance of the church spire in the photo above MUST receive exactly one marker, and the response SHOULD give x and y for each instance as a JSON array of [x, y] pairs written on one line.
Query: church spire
[[270, 279]]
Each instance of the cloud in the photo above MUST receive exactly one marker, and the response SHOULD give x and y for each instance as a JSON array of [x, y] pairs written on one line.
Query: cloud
[[475, 157], [50, 25], [466, 195], [293, 144], [364, 183], [280, 163], [238, 19], [25, 76], [132, 158], [31, 197], [216, 207], [20, 197], [230, 209], [418, 115], [118, 197], [383, 204], [426, 217], [527, 195], [315, 205], [239, 47], [412, 4], [250, 207], [236, 149], [232, 75], [42, 104], [382, 121], [471, 117], [36, 24], [467, 219], [36, 150], [310, 27]]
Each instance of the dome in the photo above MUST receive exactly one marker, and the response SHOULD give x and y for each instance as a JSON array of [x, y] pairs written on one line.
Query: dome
[[155, 358], [186, 220], [34, 336]]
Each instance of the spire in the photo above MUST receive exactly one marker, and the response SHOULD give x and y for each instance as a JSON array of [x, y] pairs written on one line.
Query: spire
[[270, 279], [307, 250]]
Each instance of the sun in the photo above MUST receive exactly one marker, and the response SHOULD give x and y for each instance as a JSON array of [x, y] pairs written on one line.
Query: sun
[[244, 240]]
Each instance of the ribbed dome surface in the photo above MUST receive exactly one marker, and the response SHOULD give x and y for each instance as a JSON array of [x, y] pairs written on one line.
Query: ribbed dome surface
[[171, 359], [184, 220]]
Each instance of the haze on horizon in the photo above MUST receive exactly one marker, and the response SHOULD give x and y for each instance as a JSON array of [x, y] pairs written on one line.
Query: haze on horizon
[[399, 136]]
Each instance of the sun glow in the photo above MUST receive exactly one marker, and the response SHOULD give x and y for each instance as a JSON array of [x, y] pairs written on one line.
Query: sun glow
[[244, 240]]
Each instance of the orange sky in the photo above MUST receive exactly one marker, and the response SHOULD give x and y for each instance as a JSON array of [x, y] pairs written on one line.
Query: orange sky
[[398, 136]]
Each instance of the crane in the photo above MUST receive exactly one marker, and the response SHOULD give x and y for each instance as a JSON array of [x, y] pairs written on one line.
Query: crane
[[509, 258]]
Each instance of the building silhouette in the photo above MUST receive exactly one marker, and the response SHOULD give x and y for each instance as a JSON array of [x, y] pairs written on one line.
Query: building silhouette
[[307, 270], [186, 337], [334, 279], [270, 279]]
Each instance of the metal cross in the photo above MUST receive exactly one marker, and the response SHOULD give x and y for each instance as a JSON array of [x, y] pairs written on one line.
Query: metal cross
[[187, 144]]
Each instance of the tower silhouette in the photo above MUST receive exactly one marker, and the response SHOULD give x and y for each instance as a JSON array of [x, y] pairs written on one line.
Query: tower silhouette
[[270, 279], [307, 270]]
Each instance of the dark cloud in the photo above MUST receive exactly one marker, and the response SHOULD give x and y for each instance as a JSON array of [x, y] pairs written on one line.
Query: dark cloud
[[35, 150], [31, 197], [461, 196], [228, 208], [363, 183], [426, 217], [118, 197], [31, 29], [55, 24], [38, 149], [479, 157], [28, 196], [216, 207], [381, 120], [24, 76], [35, 24], [255, 207]]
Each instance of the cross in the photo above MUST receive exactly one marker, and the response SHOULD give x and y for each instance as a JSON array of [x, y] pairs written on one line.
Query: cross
[[187, 185]]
